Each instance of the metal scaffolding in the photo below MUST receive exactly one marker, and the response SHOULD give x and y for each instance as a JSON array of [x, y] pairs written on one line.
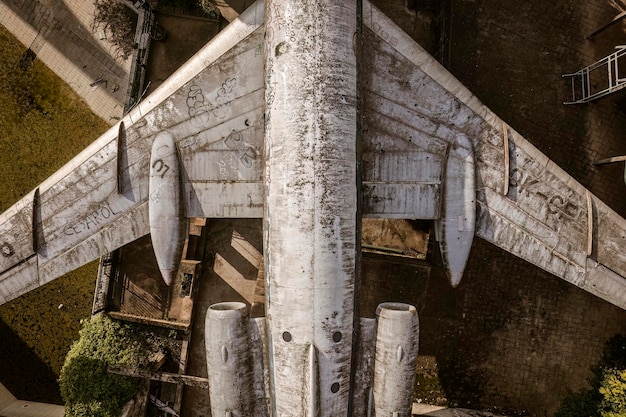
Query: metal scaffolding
[[598, 79]]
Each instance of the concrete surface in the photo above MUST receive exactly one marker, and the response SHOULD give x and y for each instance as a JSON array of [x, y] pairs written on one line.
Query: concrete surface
[[60, 33]]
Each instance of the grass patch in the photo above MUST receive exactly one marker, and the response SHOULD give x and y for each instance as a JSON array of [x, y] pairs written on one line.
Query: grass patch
[[43, 124]]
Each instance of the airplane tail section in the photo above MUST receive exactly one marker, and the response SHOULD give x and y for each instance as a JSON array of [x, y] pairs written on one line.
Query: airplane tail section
[[237, 363]]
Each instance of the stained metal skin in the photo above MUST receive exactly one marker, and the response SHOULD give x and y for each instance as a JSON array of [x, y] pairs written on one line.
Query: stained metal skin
[[458, 218], [311, 203], [396, 358], [413, 118]]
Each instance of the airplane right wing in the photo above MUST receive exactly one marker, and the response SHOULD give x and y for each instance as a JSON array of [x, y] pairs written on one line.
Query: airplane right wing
[[420, 122]]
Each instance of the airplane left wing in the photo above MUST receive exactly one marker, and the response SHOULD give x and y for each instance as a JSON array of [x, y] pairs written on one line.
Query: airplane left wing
[[98, 202], [431, 150]]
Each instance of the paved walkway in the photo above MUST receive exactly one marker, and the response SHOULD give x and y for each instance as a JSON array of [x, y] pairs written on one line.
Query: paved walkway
[[60, 33]]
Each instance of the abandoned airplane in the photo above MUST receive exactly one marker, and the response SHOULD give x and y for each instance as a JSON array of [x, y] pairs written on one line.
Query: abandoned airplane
[[312, 114]]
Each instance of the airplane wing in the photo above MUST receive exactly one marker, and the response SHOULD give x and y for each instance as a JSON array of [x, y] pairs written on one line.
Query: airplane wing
[[417, 116], [430, 150], [99, 201]]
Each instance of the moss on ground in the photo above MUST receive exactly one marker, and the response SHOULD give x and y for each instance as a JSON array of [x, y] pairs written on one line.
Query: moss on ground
[[43, 124], [428, 389]]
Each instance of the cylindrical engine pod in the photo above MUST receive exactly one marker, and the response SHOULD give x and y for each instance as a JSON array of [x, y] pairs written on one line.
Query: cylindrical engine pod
[[396, 356], [229, 360], [310, 217], [166, 207]]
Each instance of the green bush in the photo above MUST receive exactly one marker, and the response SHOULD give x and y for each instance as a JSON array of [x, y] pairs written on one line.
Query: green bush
[[86, 386], [613, 390]]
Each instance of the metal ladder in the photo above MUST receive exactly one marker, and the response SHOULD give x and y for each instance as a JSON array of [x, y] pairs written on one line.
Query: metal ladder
[[598, 79]]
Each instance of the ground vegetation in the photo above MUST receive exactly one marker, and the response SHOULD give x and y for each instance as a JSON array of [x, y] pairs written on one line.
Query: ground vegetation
[[207, 6], [86, 386], [43, 124], [118, 22]]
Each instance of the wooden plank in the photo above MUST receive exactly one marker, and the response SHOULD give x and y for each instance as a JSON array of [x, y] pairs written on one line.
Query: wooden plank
[[609, 160], [189, 380], [168, 324], [615, 20]]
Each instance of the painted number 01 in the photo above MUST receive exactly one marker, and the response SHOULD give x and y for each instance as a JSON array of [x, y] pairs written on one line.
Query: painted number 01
[[160, 167]]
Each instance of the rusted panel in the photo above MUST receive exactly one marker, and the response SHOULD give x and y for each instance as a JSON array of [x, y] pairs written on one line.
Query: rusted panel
[[503, 223], [215, 199], [129, 226], [401, 200], [231, 151], [402, 160], [544, 207], [410, 166], [401, 184], [604, 283]]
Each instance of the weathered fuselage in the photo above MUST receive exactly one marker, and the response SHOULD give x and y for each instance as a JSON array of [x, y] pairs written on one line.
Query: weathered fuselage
[[311, 203]]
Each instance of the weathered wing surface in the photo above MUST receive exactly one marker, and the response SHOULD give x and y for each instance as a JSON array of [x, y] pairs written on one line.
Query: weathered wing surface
[[414, 110], [99, 200]]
